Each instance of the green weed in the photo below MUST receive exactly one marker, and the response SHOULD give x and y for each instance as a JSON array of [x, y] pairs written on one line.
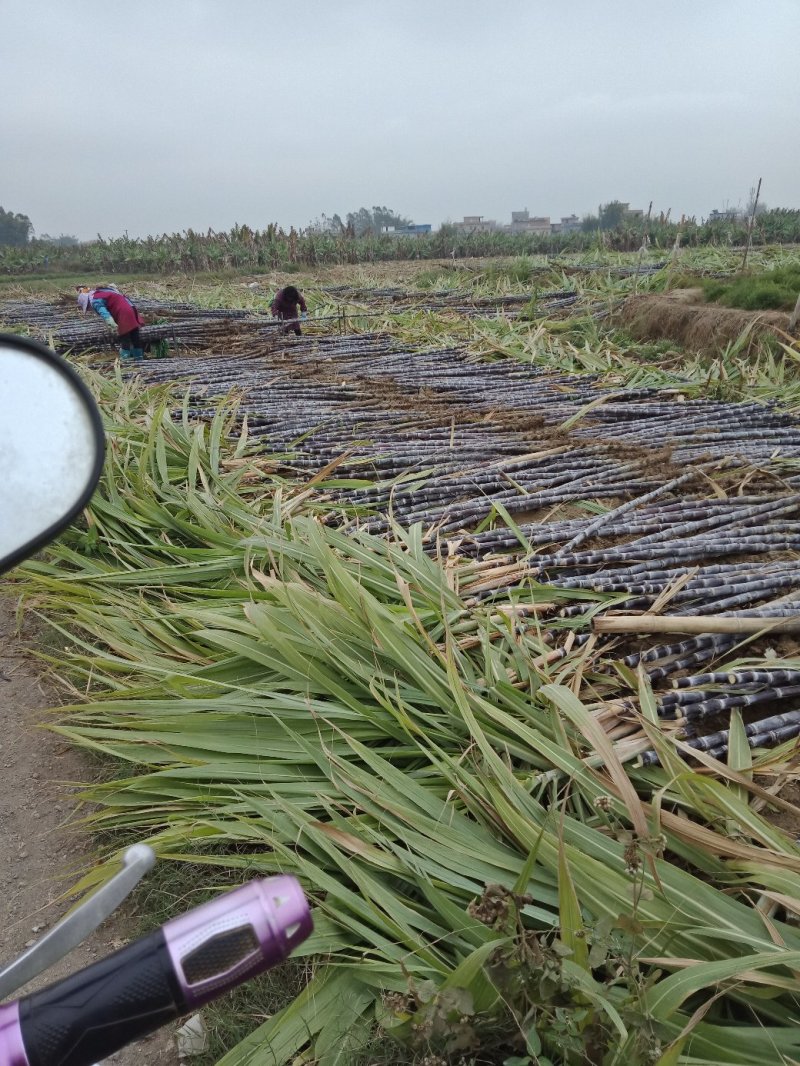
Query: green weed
[[771, 290]]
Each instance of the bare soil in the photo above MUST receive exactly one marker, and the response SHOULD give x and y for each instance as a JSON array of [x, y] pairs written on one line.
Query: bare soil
[[42, 845], [698, 326], [788, 821]]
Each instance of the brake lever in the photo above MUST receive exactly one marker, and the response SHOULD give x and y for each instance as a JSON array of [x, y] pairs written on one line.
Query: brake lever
[[80, 923]]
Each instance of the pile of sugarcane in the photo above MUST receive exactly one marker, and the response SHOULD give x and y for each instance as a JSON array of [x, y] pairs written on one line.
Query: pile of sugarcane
[[530, 403], [665, 557], [458, 301], [452, 442], [181, 309], [185, 325], [618, 271]]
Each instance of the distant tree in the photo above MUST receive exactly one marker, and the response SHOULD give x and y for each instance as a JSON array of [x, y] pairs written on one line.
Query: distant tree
[[761, 208], [612, 215], [383, 217], [65, 240], [366, 221], [589, 223], [325, 224], [360, 221], [15, 229]]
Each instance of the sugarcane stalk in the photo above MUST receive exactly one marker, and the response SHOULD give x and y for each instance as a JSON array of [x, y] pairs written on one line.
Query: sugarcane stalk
[[692, 624], [750, 225], [795, 316], [740, 677]]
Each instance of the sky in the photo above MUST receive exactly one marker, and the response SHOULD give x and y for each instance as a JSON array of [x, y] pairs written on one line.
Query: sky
[[161, 115]]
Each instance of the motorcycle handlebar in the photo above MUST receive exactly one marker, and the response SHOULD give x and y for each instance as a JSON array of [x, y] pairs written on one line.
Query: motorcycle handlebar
[[187, 962]]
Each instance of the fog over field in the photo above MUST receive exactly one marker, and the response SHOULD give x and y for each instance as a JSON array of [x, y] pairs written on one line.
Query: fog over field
[[148, 117]]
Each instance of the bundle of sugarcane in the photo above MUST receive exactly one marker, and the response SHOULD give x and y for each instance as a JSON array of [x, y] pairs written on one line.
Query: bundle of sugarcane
[[740, 433], [60, 325], [462, 427], [465, 303]]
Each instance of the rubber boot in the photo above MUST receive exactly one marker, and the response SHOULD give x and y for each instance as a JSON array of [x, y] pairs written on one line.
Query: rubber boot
[[138, 354], [126, 354]]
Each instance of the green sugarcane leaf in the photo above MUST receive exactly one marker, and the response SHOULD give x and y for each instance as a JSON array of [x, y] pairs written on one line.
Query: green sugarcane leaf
[[512, 525], [664, 998], [579, 976], [573, 931], [740, 757], [280, 1039], [471, 975], [673, 1056]]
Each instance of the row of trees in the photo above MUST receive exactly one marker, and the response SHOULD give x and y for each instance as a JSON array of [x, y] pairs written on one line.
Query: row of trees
[[616, 215], [246, 249], [66, 240], [16, 230], [366, 221]]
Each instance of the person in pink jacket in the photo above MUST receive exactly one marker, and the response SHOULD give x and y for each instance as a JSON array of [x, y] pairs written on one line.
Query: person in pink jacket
[[118, 313]]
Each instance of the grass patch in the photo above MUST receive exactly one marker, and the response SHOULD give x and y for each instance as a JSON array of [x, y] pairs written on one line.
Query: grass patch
[[772, 290], [653, 351], [440, 277], [46, 284], [518, 271]]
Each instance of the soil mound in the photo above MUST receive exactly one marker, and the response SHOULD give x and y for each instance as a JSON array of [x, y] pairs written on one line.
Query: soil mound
[[701, 327]]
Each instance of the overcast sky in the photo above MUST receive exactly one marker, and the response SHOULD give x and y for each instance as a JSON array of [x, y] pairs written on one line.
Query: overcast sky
[[158, 115]]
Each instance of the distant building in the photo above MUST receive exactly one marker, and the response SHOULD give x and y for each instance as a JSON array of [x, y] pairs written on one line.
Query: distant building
[[521, 222], [632, 214], [418, 229], [524, 222], [475, 224], [729, 215]]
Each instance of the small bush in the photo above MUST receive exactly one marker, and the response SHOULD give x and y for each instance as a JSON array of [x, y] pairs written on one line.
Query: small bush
[[764, 295], [666, 281], [772, 290], [715, 290]]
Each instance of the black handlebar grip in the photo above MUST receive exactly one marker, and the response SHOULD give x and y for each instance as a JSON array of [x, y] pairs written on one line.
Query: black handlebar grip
[[87, 1017]]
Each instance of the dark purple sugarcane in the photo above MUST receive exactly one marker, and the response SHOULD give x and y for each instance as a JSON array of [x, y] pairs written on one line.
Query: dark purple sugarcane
[[709, 708], [766, 733]]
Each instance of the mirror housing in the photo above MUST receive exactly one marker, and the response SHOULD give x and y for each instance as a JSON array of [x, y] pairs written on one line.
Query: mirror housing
[[51, 447]]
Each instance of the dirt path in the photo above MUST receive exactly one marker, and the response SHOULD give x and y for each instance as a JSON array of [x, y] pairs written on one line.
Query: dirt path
[[42, 853]]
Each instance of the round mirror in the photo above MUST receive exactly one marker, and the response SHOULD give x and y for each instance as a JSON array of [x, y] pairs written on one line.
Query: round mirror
[[51, 447]]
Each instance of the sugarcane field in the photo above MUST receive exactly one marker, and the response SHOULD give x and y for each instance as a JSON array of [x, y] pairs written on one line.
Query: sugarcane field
[[475, 606], [399, 604]]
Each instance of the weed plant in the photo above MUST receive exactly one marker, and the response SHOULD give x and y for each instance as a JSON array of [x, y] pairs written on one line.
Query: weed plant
[[771, 290]]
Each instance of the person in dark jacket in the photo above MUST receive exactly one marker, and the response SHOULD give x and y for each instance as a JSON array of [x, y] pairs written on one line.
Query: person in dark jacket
[[119, 314], [285, 306]]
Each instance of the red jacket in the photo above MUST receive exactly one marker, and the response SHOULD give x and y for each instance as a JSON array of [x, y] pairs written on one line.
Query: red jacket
[[122, 310]]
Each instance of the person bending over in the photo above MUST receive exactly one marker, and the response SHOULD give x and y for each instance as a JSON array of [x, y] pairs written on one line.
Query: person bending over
[[119, 314], [285, 306]]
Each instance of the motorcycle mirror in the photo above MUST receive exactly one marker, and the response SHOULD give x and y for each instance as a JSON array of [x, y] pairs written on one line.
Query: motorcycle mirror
[[51, 447]]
